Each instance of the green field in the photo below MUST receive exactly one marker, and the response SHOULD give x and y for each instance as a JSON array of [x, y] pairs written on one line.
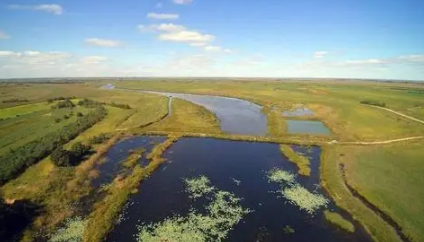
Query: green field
[[391, 177], [388, 176]]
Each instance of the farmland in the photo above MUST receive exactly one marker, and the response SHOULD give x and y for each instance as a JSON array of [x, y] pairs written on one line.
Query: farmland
[[364, 176]]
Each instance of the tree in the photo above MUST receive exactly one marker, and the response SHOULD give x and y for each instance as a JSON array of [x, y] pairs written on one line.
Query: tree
[[79, 115], [79, 150], [61, 157]]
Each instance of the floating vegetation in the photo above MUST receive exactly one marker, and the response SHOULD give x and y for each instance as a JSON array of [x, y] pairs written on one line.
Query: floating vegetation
[[281, 176], [73, 231], [304, 199], [222, 214], [288, 229], [197, 187], [237, 182]]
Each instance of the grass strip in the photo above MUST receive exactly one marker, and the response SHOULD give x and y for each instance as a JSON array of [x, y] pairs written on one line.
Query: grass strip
[[299, 160]]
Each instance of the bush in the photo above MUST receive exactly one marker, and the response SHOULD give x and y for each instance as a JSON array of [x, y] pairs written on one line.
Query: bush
[[65, 116], [79, 150], [79, 115], [50, 100], [16, 100], [64, 104], [374, 103], [57, 120], [61, 157], [99, 139]]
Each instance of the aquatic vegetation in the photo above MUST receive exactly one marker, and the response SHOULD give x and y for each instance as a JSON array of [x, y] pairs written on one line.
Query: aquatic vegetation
[[301, 161], [237, 182], [281, 176], [222, 214], [338, 220], [73, 231], [304, 199], [288, 229], [197, 187]]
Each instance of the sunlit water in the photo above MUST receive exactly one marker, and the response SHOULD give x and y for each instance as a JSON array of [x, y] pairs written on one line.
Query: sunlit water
[[163, 194], [236, 116], [307, 127]]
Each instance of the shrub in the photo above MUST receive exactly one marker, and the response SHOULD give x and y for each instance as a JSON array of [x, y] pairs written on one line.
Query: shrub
[[61, 157], [79, 115], [99, 139], [79, 150], [57, 120], [374, 103]]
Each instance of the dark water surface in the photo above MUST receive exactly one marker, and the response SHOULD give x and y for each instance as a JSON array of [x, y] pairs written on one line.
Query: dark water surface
[[236, 116], [119, 152], [162, 195]]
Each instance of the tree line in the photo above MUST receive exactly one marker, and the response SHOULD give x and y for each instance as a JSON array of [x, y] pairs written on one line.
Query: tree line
[[16, 161], [374, 103]]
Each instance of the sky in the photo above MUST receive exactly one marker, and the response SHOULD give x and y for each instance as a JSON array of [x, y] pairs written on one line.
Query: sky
[[220, 38]]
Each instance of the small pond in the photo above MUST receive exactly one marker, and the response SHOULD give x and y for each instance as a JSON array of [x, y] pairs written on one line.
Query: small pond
[[306, 127], [236, 116], [240, 168], [298, 112]]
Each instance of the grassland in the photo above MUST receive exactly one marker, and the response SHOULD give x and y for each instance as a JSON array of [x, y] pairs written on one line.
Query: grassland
[[391, 177], [388, 176], [187, 117], [332, 181], [337, 104], [15, 132]]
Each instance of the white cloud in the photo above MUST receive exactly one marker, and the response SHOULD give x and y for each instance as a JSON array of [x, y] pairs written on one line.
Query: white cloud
[[198, 44], [187, 36], [93, 60], [162, 16], [183, 1], [49, 8], [103, 42], [178, 33], [6, 53], [3, 35], [212, 48], [320, 54]]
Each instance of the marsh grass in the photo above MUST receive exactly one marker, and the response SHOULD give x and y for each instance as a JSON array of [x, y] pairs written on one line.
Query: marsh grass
[[106, 212], [223, 212], [299, 160], [339, 221]]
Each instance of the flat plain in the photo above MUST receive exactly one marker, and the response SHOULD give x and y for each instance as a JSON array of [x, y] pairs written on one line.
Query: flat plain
[[371, 163]]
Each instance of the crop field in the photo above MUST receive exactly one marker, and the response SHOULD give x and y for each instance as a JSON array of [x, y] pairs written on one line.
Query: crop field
[[370, 163]]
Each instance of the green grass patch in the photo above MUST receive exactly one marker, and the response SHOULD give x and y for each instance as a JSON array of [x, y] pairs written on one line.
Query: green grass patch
[[332, 180], [339, 221], [187, 117], [391, 178], [299, 160]]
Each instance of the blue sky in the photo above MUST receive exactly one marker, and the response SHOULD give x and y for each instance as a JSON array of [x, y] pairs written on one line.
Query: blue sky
[[274, 38]]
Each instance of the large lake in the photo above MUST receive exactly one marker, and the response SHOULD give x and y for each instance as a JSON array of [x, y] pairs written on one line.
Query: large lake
[[240, 168]]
